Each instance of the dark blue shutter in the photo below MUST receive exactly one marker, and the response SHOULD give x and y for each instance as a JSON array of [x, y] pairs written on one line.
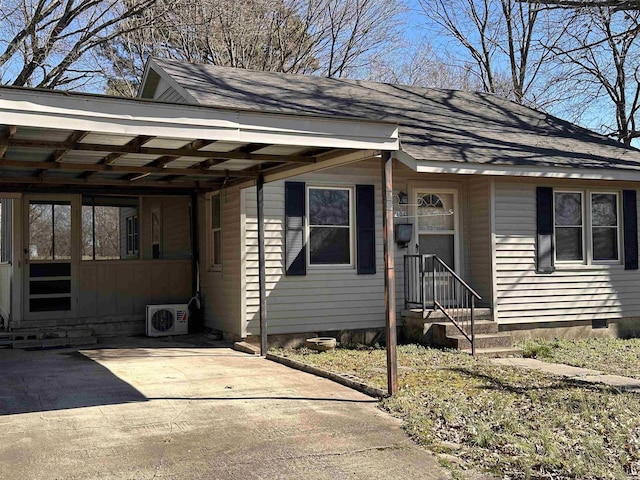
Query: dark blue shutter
[[295, 242], [366, 229], [630, 214], [544, 230]]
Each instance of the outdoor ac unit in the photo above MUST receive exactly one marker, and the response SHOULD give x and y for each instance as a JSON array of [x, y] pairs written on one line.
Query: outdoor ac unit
[[167, 320]]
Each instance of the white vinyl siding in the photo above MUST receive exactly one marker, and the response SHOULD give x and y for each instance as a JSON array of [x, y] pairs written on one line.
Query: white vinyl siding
[[165, 93], [338, 298], [324, 299], [222, 288], [574, 291], [480, 237]]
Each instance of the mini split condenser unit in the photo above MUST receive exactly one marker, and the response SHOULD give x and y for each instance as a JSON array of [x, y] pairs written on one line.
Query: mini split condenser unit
[[167, 320]]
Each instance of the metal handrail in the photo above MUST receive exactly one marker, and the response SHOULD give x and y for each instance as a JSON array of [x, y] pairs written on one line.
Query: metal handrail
[[433, 289], [457, 277]]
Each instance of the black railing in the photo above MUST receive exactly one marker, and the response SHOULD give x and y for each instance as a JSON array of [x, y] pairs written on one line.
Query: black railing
[[430, 284]]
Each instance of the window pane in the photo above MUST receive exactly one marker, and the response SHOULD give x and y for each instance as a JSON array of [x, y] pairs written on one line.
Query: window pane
[[604, 210], [434, 212], [605, 243], [215, 211], [569, 243], [329, 246], [107, 229], [568, 209], [87, 232], [41, 231], [328, 207], [217, 241], [62, 223]]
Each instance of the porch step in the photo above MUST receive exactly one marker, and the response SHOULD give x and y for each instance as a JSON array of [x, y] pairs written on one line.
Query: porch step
[[47, 338], [437, 315], [480, 326], [483, 340]]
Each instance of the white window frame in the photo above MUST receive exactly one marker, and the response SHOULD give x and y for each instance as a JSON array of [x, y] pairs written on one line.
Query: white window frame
[[618, 260], [351, 227], [586, 198], [215, 264]]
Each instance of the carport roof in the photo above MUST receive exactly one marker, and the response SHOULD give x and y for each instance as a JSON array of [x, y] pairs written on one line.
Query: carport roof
[[50, 138]]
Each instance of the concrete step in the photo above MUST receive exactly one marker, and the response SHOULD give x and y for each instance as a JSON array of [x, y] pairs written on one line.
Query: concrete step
[[483, 340], [480, 327], [496, 352], [436, 315]]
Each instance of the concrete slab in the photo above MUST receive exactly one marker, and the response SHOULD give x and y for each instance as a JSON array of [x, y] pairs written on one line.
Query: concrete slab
[[156, 409], [574, 373]]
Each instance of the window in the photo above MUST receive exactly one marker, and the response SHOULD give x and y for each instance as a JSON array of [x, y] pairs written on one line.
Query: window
[[49, 230], [109, 228], [156, 228], [569, 226], [330, 226], [588, 233], [604, 230], [216, 232], [132, 235]]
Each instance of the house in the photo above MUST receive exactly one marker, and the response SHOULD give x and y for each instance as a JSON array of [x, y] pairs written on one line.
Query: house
[[228, 182]]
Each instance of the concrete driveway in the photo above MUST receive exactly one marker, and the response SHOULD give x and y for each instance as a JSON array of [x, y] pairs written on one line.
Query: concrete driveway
[[144, 408]]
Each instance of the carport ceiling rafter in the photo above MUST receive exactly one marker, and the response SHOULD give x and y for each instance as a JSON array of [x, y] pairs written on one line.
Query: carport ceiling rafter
[[141, 150]]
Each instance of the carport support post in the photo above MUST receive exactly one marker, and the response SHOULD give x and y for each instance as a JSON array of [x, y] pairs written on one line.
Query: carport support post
[[262, 266], [389, 274]]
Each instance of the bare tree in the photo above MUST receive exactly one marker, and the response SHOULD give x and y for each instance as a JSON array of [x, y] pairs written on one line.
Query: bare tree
[[503, 39], [599, 57], [333, 38], [43, 43], [422, 66]]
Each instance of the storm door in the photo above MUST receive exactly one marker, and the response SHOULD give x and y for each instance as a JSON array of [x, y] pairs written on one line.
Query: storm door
[[436, 232], [50, 257]]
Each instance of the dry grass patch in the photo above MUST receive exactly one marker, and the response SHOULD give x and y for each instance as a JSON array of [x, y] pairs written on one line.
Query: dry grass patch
[[609, 355], [512, 422]]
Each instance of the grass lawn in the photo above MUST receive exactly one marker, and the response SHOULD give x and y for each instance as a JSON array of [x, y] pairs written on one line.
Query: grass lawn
[[614, 356], [511, 422]]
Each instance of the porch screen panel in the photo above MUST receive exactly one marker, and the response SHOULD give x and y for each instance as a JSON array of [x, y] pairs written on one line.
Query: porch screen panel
[[108, 231]]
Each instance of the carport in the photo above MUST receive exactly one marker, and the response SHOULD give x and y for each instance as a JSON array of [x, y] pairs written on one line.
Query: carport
[[58, 149]]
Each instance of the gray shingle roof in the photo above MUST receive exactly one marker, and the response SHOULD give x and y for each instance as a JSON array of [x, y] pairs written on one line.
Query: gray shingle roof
[[434, 125]]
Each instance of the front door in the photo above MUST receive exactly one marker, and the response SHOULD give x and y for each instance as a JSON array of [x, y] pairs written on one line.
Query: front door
[[50, 255], [436, 226], [436, 232]]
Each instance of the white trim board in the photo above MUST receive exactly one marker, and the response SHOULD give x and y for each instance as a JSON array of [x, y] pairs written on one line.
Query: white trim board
[[516, 171], [96, 113]]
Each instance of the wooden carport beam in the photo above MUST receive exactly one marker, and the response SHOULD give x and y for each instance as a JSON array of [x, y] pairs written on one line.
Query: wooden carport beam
[[178, 152], [262, 268], [72, 139], [100, 167], [134, 143], [389, 273], [193, 146]]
